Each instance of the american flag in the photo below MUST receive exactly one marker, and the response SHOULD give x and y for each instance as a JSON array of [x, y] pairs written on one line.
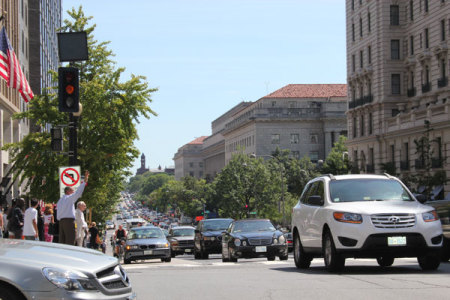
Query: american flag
[[10, 69]]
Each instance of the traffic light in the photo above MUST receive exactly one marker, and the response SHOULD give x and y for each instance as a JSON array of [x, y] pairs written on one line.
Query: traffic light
[[57, 139], [69, 97]]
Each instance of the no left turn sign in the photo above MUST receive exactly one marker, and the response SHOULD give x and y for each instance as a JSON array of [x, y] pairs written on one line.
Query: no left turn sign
[[69, 177]]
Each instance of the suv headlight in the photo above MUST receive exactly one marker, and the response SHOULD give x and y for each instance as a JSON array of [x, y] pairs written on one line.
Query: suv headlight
[[69, 280], [348, 217], [430, 216]]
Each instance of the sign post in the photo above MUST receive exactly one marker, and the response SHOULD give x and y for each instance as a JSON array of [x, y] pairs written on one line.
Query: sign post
[[69, 177]]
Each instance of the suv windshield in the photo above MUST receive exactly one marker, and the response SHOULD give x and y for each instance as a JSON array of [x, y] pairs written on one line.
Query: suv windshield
[[216, 225], [149, 233], [183, 232], [350, 190], [252, 226]]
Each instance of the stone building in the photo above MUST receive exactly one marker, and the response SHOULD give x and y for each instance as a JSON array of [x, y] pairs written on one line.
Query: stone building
[[189, 160], [397, 74], [305, 118], [142, 169]]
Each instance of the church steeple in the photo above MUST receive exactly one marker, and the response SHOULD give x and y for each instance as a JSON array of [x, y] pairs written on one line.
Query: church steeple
[[142, 161]]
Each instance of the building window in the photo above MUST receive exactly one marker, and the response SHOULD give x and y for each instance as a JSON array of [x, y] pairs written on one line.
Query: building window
[[191, 174], [353, 4], [296, 154], [275, 138], [362, 125], [427, 75], [313, 138], [442, 30], [314, 156], [333, 138], [425, 2], [443, 68], [412, 79], [200, 174], [294, 138], [191, 164], [426, 39], [369, 54], [274, 103], [200, 164], [395, 84], [392, 153], [395, 49], [411, 10], [395, 15], [353, 62], [361, 59], [292, 104], [368, 22], [354, 127], [370, 123], [360, 27], [411, 45], [353, 32]]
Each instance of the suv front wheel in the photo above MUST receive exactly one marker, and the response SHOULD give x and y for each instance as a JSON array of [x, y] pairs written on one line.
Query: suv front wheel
[[301, 259], [429, 261], [334, 262]]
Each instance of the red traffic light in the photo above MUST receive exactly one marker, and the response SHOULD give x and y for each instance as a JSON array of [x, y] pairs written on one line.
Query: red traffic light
[[70, 89]]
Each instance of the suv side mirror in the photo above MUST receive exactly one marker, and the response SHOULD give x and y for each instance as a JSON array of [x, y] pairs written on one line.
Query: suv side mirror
[[421, 198], [315, 200]]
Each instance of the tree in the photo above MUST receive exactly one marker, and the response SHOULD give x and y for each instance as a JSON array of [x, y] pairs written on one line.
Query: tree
[[337, 161], [107, 128]]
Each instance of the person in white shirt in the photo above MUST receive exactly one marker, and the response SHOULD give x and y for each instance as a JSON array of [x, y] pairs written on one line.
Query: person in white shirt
[[82, 226], [66, 212], [30, 230]]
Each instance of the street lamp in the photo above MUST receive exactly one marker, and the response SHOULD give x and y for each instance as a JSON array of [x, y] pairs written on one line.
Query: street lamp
[[282, 183]]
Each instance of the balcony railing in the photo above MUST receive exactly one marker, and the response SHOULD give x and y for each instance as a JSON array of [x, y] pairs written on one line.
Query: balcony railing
[[360, 101], [436, 163], [442, 82], [404, 165], [418, 164], [426, 87], [367, 99], [411, 92]]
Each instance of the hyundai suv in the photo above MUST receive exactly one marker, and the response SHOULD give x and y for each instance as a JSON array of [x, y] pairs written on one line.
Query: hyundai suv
[[363, 216]]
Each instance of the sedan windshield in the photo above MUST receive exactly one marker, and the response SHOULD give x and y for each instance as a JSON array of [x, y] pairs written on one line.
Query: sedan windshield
[[252, 226], [183, 232], [145, 233], [216, 225], [351, 190]]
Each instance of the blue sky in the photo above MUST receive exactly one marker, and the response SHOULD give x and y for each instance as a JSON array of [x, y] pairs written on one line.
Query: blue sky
[[205, 56]]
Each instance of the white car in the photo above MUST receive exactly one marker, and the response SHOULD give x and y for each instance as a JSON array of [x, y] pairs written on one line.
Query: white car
[[363, 216]]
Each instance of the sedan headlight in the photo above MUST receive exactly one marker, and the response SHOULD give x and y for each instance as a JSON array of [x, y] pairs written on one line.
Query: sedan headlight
[[69, 280], [237, 242], [131, 247], [281, 239], [430, 216], [348, 217]]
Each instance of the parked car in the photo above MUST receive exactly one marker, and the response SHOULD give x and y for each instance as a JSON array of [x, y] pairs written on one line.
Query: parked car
[[208, 236], [252, 238], [181, 240], [38, 270], [146, 242], [363, 216]]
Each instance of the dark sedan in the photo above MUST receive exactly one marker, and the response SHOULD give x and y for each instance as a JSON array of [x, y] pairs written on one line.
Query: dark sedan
[[146, 242], [253, 238], [208, 236], [181, 239]]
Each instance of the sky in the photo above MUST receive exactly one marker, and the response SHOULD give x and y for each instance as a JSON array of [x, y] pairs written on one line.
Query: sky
[[206, 56]]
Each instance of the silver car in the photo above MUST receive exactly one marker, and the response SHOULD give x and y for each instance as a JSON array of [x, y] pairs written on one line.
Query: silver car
[[40, 270], [146, 242]]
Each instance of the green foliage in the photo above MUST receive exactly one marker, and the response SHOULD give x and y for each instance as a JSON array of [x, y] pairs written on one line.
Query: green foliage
[[337, 162], [106, 129]]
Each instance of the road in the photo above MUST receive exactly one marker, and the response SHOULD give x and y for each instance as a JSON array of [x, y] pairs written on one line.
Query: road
[[186, 278]]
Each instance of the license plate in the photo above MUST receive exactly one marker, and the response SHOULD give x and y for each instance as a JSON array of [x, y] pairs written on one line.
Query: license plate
[[261, 249], [148, 252], [187, 250], [397, 241]]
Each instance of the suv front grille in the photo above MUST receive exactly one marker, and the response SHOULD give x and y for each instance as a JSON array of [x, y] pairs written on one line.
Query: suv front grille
[[257, 242], [393, 220]]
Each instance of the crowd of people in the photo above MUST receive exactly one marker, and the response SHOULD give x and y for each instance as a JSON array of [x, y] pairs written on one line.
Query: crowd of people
[[60, 223]]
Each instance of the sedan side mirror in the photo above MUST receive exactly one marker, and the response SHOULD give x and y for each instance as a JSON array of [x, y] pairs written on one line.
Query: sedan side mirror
[[421, 198]]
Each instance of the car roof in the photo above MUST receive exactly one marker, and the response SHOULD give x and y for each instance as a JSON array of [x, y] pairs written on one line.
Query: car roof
[[183, 227], [250, 220], [355, 176], [217, 219], [144, 227]]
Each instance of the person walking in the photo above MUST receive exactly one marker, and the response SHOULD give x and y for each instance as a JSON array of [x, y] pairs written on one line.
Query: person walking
[[94, 233], [16, 219], [40, 223], [66, 212], [2, 227], [82, 227], [48, 219], [30, 228]]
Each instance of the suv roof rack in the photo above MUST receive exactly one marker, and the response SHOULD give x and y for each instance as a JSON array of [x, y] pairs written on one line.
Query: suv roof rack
[[331, 176]]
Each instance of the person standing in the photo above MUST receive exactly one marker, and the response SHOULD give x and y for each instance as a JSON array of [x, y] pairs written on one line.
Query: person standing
[[1, 222], [40, 223], [94, 233], [48, 219], [82, 227], [66, 212], [30, 228], [16, 219]]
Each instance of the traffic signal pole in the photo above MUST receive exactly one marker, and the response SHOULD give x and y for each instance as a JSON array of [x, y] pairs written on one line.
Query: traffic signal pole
[[73, 140]]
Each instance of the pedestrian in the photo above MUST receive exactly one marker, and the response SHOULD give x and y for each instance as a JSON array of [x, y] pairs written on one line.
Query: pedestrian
[[56, 225], [15, 221], [66, 212], [48, 219], [2, 227], [81, 224], [40, 224], [30, 228], [93, 231], [5, 223]]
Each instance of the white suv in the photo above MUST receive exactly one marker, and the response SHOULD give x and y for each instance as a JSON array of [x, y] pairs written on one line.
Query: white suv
[[363, 216]]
